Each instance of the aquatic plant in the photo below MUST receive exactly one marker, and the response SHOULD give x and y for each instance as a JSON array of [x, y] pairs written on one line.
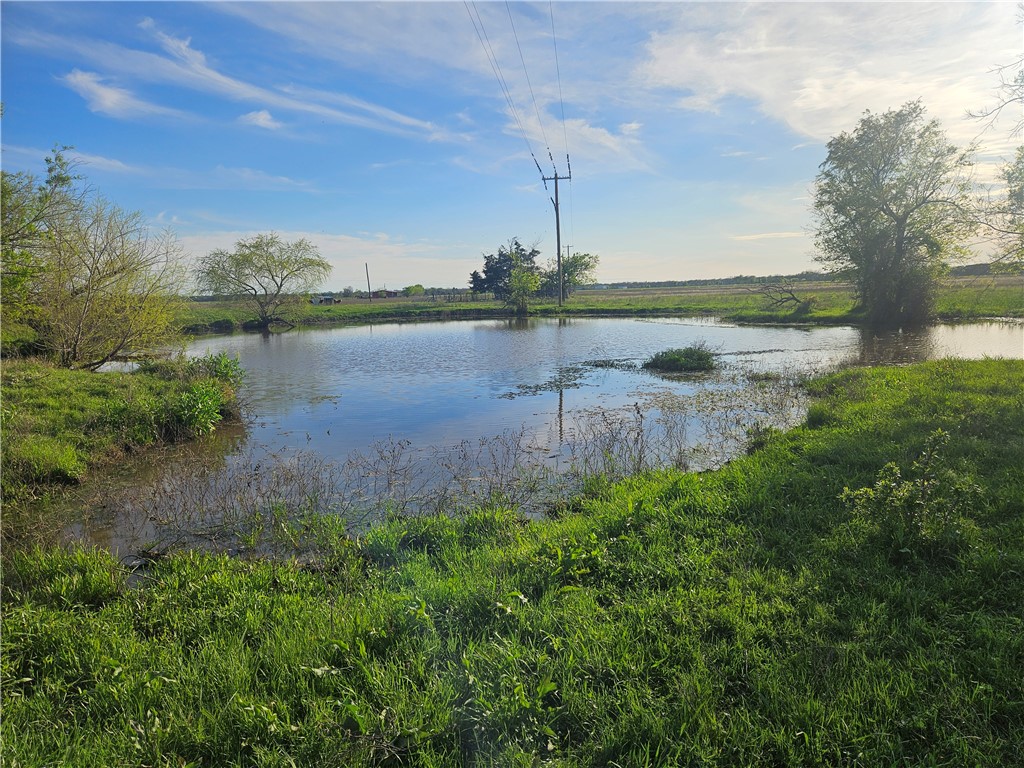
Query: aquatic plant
[[696, 358]]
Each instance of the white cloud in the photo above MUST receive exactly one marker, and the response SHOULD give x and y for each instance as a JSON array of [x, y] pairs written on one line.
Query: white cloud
[[183, 66], [261, 118], [112, 100], [769, 236], [817, 66]]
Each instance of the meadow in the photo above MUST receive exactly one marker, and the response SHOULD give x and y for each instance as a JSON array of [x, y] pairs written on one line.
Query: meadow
[[961, 298], [847, 593]]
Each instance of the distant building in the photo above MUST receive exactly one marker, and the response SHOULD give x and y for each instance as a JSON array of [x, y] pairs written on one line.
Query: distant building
[[325, 298]]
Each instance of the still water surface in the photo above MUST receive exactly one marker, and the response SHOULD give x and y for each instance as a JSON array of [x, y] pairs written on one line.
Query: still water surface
[[332, 393], [342, 389]]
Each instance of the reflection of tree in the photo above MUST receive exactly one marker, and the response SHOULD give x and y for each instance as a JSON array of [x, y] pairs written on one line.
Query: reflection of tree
[[895, 347]]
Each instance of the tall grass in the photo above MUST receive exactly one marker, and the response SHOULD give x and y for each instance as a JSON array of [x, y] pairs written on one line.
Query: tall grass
[[759, 614]]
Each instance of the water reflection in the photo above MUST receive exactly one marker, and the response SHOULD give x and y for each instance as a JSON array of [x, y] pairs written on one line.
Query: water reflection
[[895, 347], [529, 387], [970, 340]]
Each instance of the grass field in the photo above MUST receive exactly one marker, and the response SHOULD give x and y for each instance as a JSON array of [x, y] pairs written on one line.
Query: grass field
[[822, 303], [849, 594]]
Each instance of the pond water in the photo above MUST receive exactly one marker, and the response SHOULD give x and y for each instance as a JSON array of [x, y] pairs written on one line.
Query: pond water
[[337, 390], [385, 401]]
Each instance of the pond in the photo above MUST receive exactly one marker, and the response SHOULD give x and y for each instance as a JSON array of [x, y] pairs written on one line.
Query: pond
[[400, 414]]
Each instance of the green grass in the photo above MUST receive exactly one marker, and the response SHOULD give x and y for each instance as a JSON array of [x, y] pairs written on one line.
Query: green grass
[[58, 423], [756, 615], [821, 303]]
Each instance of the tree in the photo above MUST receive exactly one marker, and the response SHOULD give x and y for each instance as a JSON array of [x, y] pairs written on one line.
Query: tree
[[477, 284], [892, 207], [577, 270], [266, 272], [27, 207], [498, 267], [523, 282], [86, 276], [108, 288], [1008, 219]]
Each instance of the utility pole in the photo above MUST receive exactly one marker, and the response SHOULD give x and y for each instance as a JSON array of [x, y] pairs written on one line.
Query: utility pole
[[558, 228], [369, 293]]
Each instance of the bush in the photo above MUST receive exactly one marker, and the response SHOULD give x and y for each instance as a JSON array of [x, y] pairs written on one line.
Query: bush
[[695, 358], [924, 514], [199, 408]]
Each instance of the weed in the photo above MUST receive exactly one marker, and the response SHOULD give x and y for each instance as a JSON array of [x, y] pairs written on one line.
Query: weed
[[924, 514], [696, 358]]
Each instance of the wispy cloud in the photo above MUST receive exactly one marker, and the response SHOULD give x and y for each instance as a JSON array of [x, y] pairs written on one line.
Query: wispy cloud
[[261, 119], [112, 100], [163, 177], [817, 66], [179, 64], [769, 236]]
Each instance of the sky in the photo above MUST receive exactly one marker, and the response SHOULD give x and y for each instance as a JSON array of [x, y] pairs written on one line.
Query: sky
[[405, 136]]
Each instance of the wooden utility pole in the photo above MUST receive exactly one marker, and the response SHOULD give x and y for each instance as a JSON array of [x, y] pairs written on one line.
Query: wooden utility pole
[[369, 293], [558, 229]]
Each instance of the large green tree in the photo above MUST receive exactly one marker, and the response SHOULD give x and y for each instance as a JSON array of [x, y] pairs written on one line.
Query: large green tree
[[268, 273], [86, 277], [892, 207]]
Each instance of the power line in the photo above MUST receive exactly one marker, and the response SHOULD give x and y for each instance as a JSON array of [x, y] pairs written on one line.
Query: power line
[[485, 43], [536, 107], [561, 102], [558, 77]]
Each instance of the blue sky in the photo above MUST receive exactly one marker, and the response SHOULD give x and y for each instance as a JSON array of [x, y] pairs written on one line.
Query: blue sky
[[380, 132]]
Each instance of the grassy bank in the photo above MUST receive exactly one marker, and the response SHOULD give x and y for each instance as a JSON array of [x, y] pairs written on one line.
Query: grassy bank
[[59, 424], [757, 615], [821, 303]]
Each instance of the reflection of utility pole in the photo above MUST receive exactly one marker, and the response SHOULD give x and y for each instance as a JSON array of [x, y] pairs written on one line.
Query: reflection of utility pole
[[558, 227], [561, 417]]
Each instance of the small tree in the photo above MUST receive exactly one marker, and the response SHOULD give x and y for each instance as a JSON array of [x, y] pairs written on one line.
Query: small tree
[[522, 284], [498, 268], [266, 272], [84, 275], [892, 207], [577, 270], [28, 209]]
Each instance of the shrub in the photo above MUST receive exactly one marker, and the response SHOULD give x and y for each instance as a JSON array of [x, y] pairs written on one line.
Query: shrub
[[923, 514], [199, 408], [222, 367], [692, 359]]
